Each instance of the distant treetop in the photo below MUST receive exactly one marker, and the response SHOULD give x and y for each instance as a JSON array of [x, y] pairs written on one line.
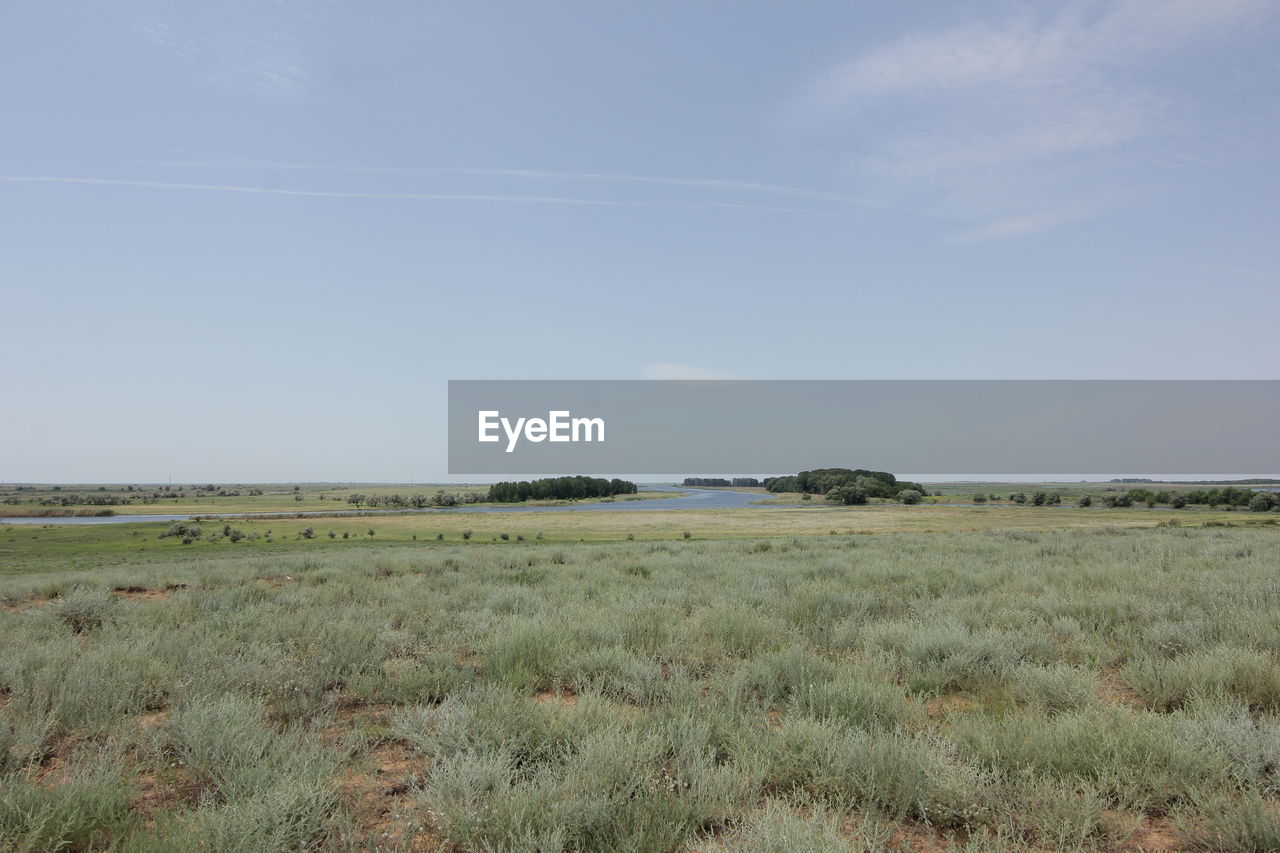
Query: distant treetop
[[694, 482], [820, 481]]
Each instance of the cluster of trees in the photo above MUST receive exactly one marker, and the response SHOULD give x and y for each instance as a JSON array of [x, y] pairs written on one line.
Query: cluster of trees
[[1248, 481], [1229, 496], [1037, 499], [850, 485], [130, 495], [72, 499], [1225, 496], [417, 501], [720, 481], [559, 488]]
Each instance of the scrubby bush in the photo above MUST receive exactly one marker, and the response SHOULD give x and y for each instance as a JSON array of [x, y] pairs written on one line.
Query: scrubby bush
[[82, 609], [1245, 674], [183, 530]]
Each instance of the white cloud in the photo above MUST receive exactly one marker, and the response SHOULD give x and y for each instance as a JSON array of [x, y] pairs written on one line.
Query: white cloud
[[672, 370], [989, 119], [1021, 53]]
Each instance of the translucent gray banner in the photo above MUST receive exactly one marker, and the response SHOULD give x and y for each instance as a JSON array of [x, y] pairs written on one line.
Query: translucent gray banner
[[522, 427]]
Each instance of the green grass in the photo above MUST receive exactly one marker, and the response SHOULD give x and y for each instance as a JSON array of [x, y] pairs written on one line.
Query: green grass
[[51, 546], [274, 498], [999, 689]]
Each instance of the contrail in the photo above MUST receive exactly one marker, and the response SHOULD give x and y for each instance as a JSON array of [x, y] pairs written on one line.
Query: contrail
[[701, 183], [527, 199], [232, 161], [536, 174]]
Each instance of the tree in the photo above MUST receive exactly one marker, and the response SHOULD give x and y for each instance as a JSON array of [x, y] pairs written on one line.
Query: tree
[[1018, 498], [820, 481], [558, 488], [909, 496], [979, 498], [1039, 498], [1178, 501], [847, 495], [1262, 502], [1084, 501]]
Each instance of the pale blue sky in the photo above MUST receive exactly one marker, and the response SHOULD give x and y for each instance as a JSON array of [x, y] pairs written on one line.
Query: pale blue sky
[[252, 240]]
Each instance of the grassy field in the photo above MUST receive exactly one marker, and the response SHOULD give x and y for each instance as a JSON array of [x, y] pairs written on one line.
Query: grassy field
[[42, 500], [53, 546], [1023, 678]]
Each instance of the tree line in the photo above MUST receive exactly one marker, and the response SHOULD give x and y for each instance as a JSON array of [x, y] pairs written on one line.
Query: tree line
[[694, 482], [1229, 497], [417, 501], [559, 488]]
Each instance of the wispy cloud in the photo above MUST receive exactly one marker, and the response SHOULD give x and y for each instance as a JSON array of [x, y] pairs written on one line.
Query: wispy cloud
[[1023, 106], [694, 183], [251, 47], [673, 370], [1022, 52], [397, 196], [1015, 226]]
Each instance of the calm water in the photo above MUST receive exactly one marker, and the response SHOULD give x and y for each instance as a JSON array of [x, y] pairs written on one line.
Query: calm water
[[689, 499]]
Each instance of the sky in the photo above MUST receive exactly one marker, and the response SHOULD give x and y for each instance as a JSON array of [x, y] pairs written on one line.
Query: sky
[[251, 241]]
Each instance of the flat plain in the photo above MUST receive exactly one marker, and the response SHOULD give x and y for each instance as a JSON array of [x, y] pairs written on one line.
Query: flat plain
[[770, 679]]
